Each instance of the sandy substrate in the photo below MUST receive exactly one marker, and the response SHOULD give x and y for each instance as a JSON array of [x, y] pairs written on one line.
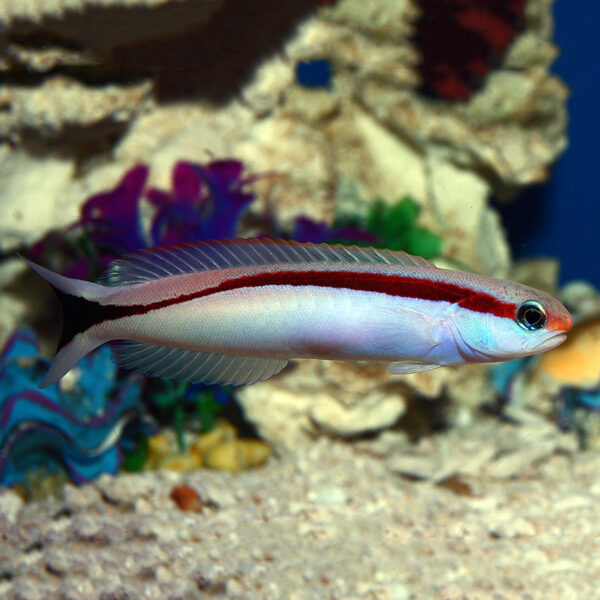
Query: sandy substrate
[[330, 522]]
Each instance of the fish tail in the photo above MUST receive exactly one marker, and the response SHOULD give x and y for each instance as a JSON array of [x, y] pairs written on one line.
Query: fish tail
[[79, 303]]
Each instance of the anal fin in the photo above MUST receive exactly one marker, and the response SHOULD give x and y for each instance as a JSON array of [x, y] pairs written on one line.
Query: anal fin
[[406, 367], [189, 365]]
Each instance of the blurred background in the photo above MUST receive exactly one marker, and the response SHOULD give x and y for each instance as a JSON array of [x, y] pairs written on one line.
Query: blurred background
[[561, 218]]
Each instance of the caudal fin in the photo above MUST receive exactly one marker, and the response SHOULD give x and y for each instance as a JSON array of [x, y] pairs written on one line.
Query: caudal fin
[[80, 307]]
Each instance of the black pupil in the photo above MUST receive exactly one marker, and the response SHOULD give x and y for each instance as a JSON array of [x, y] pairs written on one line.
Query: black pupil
[[531, 316]]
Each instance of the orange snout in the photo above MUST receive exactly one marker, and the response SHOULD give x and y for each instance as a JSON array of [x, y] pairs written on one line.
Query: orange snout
[[560, 320]]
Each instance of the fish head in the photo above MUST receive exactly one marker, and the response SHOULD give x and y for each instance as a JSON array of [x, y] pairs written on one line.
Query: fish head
[[526, 322]]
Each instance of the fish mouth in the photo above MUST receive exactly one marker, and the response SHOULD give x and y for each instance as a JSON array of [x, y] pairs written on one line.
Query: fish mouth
[[552, 341]]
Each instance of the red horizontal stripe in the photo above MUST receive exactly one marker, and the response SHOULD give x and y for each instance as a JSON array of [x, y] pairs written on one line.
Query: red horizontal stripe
[[393, 285]]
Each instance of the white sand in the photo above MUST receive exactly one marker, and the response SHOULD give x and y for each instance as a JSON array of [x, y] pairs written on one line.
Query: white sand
[[331, 522]]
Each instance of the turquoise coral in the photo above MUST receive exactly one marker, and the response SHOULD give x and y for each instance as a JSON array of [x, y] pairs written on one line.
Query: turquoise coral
[[81, 430]]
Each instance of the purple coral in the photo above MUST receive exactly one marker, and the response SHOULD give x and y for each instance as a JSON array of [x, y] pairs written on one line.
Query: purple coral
[[207, 201], [309, 230], [112, 218]]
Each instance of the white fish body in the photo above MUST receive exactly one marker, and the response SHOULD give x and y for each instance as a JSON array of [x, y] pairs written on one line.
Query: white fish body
[[236, 311]]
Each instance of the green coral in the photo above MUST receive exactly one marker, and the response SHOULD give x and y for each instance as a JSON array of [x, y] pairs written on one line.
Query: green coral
[[395, 226], [179, 402], [135, 459]]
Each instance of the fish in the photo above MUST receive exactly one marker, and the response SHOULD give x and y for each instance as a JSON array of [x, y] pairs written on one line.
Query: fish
[[236, 311]]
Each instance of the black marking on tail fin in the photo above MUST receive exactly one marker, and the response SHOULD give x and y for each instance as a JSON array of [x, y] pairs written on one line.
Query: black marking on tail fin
[[79, 314]]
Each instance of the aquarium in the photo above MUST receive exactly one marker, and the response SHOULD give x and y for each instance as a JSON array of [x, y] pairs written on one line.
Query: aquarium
[[298, 300]]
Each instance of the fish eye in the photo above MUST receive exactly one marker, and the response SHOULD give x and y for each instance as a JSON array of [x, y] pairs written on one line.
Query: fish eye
[[531, 315]]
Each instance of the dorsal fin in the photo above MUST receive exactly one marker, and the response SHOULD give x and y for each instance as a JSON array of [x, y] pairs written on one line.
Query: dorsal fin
[[156, 263]]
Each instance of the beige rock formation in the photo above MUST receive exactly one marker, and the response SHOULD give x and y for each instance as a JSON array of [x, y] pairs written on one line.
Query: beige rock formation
[[94, 87]]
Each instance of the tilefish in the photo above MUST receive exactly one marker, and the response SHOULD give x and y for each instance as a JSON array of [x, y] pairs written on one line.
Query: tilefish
[[235, 311]]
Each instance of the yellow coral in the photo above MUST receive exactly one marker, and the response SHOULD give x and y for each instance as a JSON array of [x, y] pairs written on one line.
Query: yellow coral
[[218, 449], [577, 361], [223, 431], [236, 455], [180, 462]]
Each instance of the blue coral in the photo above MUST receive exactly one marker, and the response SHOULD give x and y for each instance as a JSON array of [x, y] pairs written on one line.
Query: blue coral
[[503, 375], [315, 73], [80, 429], [573, 401]]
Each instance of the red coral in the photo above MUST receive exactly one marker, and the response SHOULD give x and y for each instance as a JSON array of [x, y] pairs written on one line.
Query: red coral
[[460, 41]]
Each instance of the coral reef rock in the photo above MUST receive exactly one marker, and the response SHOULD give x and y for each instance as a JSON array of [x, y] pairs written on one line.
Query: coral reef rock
[[338, 398], [93, 87], [510, 451], [347, 400], [104, 96]]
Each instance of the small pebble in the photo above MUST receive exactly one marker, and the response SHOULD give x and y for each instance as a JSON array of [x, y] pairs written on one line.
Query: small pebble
[[10, 505], [143, 507], [234, 588], [398, 591], [330, 494], [76, 589], [57, 563], [82, 496], [187, 498], [89, 529], [452, 591], [506, 526], [573, 503], [29, 591]]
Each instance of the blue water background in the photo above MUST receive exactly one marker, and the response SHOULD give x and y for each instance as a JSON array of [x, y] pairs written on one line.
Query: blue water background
[[562, 217]]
